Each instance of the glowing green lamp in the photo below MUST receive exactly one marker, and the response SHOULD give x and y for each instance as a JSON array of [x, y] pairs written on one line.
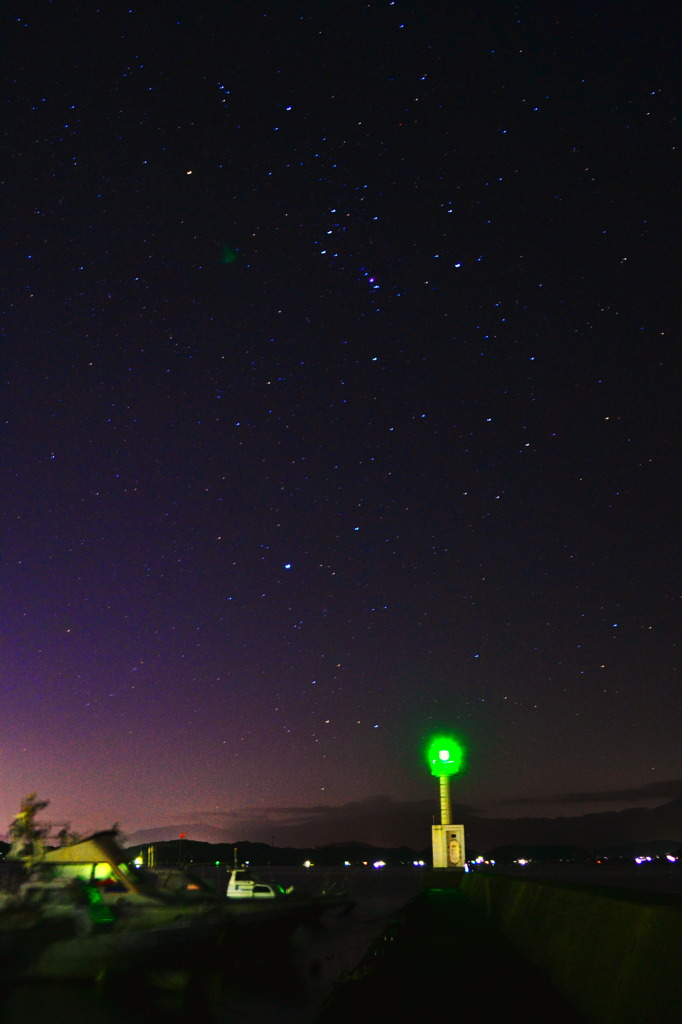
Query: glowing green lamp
[[445, 756]]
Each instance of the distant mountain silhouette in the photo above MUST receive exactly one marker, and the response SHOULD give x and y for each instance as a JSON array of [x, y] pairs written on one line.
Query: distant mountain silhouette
[[409, 825], [589, 831], [166, 833]]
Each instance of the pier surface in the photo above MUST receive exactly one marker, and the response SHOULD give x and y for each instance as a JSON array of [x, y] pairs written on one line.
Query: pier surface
[[441, 960]]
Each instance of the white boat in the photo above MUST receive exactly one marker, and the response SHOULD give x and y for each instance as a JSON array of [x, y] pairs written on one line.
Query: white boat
[[245, 884]]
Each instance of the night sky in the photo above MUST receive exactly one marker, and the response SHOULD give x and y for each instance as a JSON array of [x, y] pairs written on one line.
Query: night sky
[[338, 407]]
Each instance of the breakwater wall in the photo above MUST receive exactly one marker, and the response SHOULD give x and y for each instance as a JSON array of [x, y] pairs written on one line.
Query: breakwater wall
[[613, 953]]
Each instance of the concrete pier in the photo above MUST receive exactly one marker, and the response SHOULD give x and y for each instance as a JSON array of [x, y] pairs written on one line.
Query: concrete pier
[[486, 946], [440, 960], [614, 953]]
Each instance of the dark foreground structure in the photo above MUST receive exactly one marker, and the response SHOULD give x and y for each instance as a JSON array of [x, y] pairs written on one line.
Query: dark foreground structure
[[409, 945], [614, 953], [440, 961], [486, 947]]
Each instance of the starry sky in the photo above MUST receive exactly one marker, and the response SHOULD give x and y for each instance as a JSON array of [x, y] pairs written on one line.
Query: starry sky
[[338, 408]]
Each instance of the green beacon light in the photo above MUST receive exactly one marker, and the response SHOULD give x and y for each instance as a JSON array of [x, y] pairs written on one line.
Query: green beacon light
[[445, 756]]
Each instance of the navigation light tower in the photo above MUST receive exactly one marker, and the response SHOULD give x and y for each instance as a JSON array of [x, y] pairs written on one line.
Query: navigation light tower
[[445, 757]]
